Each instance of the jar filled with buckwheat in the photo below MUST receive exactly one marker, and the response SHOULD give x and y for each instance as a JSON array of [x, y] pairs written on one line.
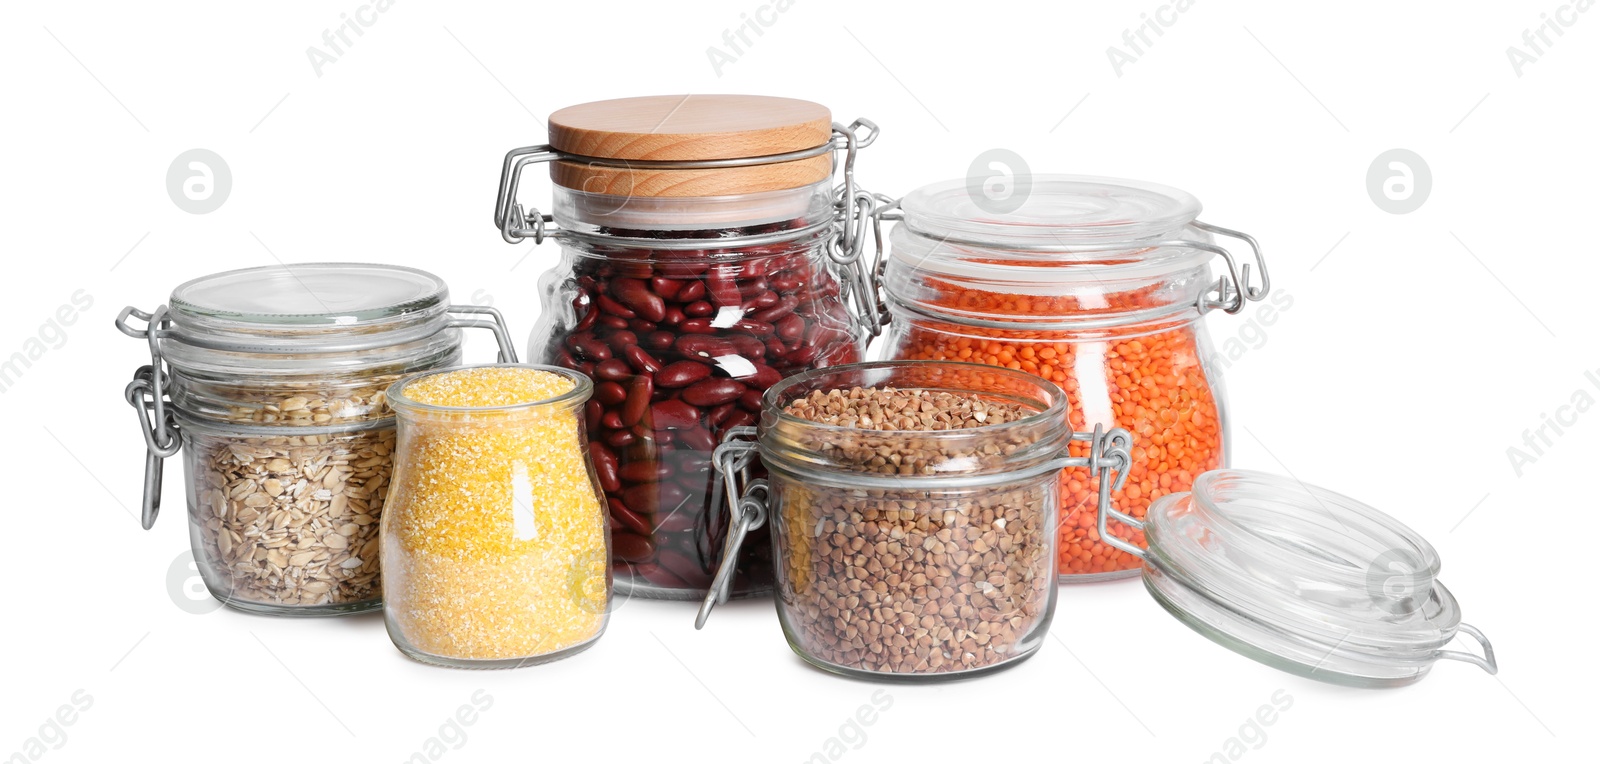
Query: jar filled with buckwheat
[[273, 381], [1095, 284]]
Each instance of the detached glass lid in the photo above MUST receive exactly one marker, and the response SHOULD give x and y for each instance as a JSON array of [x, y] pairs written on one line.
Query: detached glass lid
[[1301, 579]]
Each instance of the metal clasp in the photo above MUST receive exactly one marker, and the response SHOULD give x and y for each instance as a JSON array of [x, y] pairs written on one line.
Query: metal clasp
[[746, 501], [1234, 287], [495, 323], [515, 222], [148, 397]]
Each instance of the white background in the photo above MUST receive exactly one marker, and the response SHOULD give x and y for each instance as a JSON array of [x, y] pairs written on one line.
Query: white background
[[1419, 347]]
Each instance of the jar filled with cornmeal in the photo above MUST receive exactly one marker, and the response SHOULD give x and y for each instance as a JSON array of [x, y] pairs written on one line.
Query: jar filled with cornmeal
[[494, 542]]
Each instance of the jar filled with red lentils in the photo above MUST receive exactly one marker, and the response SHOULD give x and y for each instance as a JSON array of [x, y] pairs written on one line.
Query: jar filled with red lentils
[[706, 253], [1098, 285]]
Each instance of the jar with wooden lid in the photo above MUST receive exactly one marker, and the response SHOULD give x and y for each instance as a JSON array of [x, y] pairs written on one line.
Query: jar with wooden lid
[[706, 253], [1098, 285], [272, 382]]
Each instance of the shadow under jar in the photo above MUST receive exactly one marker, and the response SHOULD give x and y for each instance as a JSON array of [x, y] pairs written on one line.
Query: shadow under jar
[[686, 291], [272, 381], [1098, 285], [913, 508]]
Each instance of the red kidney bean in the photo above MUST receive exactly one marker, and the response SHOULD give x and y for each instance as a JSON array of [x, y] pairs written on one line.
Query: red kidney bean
[[592, 412], [785, 307], [691, 292], [652, 498], [609, 321], [712, 392], [776, 349], [588, 315], [621, 339], [639, 359], [762, 378], [632, 547], [698, 438], [739, 419], [749, 289], [639, 390], [682, 374], [698, 309], [636, 294], [750, 400], [674, 415], [659, 341], [641, 326], [629, 519], [620, 438], [757, 328], [610, 393], [673, 317], [667, 288], [716, 416], [612, 420], [694, 345], [784, 281], [591, 349], [754, 268], [748, 346], [791, 328], [612, 370], [761, 301], [605, 467], [614, 308], [697, 326]]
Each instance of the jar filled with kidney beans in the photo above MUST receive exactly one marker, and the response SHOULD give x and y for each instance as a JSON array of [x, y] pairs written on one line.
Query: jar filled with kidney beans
[[705, 255], [1098, 285]]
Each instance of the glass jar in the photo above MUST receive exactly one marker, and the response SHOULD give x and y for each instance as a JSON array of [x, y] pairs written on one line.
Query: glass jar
[[908, 552], [705, 256], [1097, 285], [494, 541], [272, 381]]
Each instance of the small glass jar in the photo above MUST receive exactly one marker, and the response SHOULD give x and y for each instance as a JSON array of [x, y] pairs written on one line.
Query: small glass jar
[[494, 540], [912, 553], [704, 256], [1097, 285], [272, 381]]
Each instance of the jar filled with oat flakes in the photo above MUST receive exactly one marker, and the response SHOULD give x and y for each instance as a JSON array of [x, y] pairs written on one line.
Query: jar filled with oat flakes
[[1098, 285], [272, 382]]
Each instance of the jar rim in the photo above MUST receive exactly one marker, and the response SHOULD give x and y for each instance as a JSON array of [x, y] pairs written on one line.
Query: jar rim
[[1050, 418], [403, 405]]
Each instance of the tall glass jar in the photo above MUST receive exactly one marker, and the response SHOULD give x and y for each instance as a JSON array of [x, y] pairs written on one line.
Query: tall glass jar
[[1099, 286], [494, 540], [705, 256], [272, 381]]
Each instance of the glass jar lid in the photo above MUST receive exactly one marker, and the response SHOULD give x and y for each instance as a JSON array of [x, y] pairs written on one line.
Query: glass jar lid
[[305, 308], [309, 294], [1303, 579], [1053, 210]]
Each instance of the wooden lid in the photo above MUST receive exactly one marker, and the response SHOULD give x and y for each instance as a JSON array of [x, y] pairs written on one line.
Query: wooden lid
[[687, 128]]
